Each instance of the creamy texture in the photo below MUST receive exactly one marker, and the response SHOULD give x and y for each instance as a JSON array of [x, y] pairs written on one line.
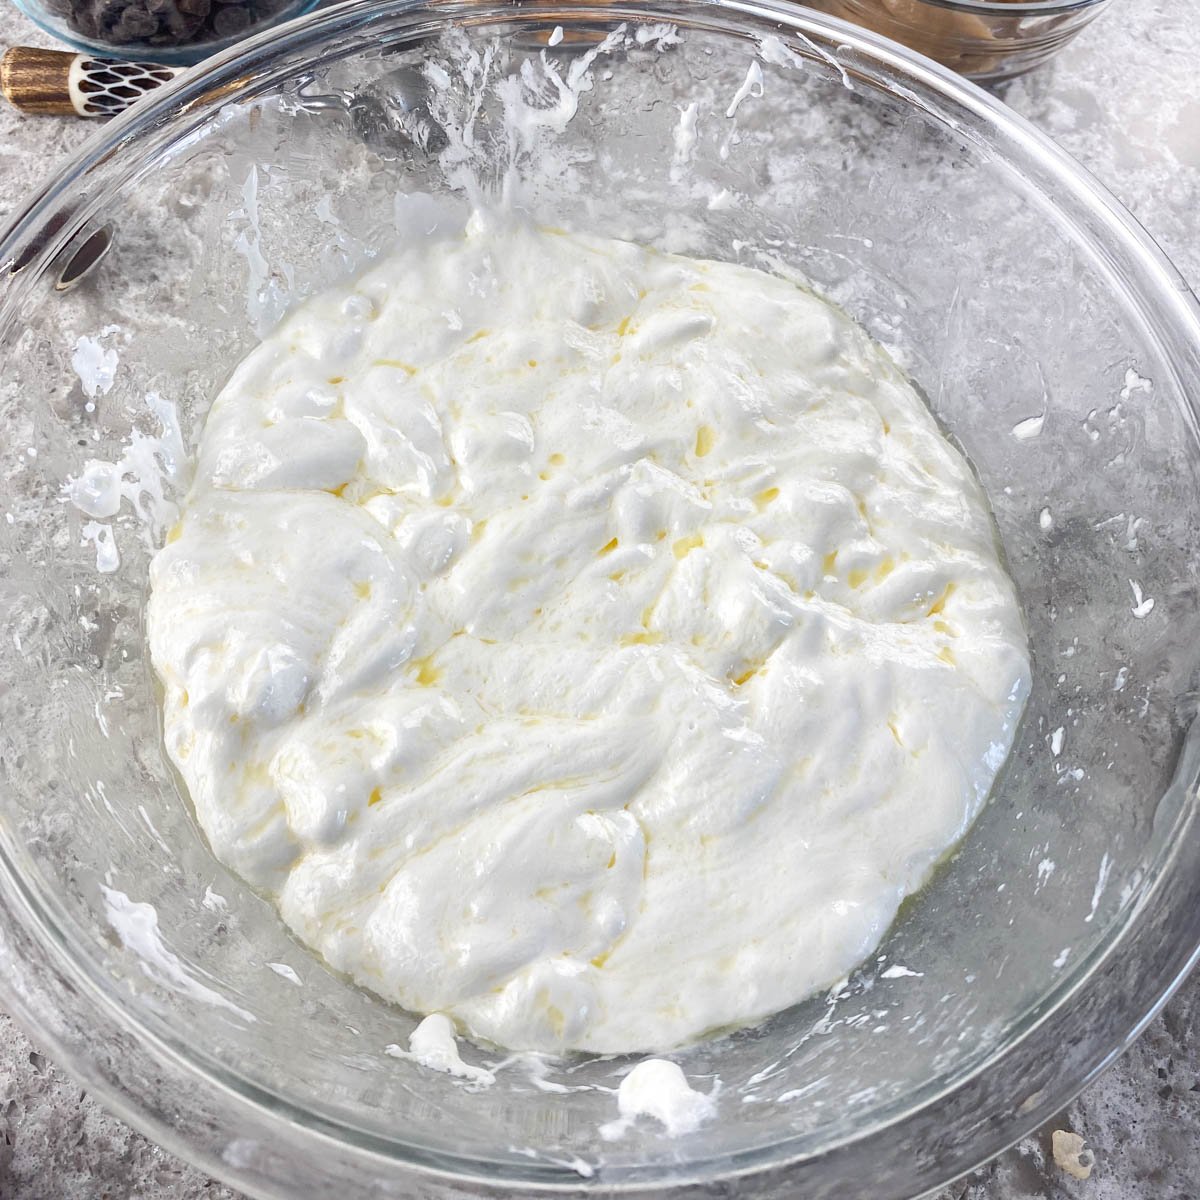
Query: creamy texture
[[591, 644]]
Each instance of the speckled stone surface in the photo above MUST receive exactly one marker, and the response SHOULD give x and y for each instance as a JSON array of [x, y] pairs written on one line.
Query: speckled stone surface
[[1125, 100]]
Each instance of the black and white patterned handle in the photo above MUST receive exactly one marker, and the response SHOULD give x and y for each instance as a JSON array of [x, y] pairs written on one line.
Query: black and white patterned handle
[[53, 82]]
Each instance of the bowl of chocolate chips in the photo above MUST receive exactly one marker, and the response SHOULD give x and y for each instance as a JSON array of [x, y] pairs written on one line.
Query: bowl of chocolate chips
[[175, 32]]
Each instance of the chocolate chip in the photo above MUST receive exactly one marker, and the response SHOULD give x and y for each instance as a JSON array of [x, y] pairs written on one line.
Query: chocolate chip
[[83, 22], [107, 13], [136, 24], [230, 20], [183, 25]]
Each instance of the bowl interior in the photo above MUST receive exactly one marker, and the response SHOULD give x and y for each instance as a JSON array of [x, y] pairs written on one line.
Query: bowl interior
[[1034, 344]]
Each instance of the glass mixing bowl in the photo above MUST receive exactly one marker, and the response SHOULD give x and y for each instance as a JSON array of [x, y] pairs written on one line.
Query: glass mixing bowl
[[1052, 339]]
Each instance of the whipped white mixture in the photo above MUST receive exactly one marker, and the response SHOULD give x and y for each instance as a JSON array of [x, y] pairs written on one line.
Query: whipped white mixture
[[592, 645]]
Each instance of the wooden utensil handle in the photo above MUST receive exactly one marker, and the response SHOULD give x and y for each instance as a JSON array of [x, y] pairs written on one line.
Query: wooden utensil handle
[[57, 83]]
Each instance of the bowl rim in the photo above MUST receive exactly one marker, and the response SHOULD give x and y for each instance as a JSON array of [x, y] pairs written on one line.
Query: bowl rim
[[30, 965]]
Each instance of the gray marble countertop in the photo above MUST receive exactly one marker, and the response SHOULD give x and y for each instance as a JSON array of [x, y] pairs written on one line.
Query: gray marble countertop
[[1125, 100]]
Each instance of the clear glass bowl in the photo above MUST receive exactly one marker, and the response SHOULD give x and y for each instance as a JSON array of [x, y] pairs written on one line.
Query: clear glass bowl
[[1053, 340], [175, 32], [988, 40]]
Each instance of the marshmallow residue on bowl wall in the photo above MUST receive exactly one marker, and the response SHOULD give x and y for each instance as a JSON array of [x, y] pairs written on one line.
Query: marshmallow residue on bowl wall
[[659, 1089]]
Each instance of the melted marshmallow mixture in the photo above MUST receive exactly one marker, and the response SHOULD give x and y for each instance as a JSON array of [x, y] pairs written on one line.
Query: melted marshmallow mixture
[[590, 644]]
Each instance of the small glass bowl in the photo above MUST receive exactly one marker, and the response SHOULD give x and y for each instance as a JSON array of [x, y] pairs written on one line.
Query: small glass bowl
[[174, 32], [989, 40]]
